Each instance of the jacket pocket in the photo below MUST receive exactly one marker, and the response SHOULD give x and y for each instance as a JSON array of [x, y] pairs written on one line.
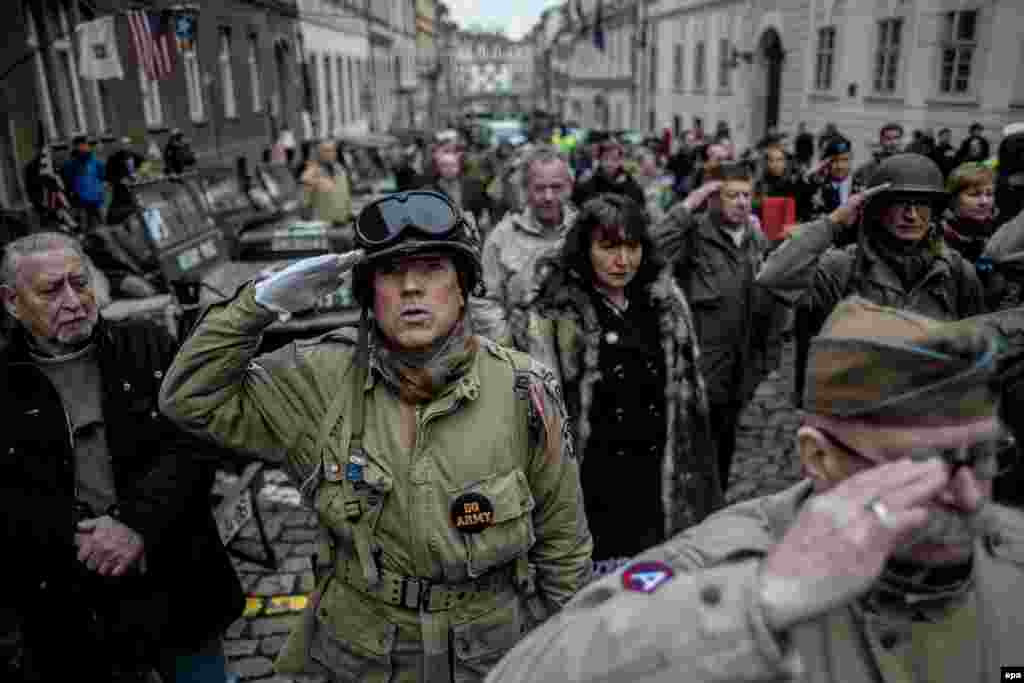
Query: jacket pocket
[[510, 533], [481, 641], [342, 504], [349, 639]]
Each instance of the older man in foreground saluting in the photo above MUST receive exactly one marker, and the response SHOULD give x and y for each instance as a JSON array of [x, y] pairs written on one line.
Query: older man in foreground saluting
[[889, 563]]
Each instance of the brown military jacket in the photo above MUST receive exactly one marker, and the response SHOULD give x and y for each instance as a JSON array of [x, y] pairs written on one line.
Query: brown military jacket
[[694, 617]]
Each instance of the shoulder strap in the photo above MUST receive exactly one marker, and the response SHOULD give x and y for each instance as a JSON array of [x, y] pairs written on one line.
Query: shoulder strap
[[358, 407]]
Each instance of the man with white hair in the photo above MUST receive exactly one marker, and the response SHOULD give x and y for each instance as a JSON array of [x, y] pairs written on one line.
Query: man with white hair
[[513, 247], [82, 435]]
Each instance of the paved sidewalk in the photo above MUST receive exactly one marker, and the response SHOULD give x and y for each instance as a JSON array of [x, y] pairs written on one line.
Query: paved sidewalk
[[765, 462]]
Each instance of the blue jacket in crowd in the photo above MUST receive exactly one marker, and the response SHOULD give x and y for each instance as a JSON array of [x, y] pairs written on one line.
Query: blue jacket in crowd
[[84, 177]]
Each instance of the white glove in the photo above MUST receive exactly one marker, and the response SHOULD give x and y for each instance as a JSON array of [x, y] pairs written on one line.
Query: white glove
[[300, 285]]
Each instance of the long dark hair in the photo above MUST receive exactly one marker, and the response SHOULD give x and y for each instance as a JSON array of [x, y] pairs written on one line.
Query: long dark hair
[[607, 211]]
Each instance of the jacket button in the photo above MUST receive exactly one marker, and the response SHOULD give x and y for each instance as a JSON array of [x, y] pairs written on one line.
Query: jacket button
[[127, 386], [154, 414], [711, 595], [159, 374]]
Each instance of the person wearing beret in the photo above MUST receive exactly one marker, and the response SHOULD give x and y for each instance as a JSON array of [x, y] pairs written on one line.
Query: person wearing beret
[[888, 562], [828, 185]]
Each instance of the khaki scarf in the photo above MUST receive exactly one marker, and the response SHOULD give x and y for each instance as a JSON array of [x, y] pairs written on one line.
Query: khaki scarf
[[419, 376]]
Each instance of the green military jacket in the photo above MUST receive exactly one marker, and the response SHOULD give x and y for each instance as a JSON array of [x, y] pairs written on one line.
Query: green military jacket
[[484, 434], [700, 620]]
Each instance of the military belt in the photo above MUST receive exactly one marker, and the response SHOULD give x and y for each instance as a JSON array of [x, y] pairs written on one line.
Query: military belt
[[422, 594]]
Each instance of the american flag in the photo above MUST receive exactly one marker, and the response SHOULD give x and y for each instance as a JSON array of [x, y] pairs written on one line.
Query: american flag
[[153, 41]]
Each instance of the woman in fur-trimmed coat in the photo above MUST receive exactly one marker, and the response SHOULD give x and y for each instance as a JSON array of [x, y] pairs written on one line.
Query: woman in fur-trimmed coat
[[616, 328]]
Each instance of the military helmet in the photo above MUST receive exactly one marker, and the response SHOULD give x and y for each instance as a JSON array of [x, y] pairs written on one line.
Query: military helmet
[[909, 174], [407, 223]]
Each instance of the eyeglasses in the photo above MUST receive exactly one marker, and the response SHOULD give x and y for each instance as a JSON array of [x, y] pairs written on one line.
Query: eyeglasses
[[904, 203], [386, 219], [989, 459]]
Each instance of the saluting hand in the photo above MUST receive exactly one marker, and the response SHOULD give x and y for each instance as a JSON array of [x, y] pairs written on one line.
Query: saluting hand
[[839, 543], [849, 213], [108, 547], [697, 198], [297, 287]]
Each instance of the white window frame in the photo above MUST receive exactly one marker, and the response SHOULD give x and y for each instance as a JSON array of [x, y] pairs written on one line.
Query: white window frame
[[700, 66], [254, 74], [42, 84], [227, 76], [194, 85], [63, 49], [952, 45], [885, 74], [825, 59], [678, 67], [152, 103]]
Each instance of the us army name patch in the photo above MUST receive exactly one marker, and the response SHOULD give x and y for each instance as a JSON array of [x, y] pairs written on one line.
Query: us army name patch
[[646, 577], [472, 513]]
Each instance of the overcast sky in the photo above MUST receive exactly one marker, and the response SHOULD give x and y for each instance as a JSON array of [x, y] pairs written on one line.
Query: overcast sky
[[516, 17]]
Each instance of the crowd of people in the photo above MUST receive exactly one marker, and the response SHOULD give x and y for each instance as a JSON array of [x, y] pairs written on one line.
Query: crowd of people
[[530, 432]]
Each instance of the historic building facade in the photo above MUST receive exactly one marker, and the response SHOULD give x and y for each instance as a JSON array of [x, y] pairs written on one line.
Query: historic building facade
[[229, 92], [751, 65], [495, 74]]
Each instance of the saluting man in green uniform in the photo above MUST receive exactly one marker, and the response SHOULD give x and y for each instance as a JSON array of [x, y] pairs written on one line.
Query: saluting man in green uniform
[[888, 564], [439, 463]]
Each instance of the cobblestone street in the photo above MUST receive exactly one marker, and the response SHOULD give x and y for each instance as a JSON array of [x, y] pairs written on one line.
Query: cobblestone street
[[764, 463]]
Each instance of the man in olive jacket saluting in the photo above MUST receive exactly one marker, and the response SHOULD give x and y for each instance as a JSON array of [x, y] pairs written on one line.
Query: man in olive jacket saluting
[[439, 463]]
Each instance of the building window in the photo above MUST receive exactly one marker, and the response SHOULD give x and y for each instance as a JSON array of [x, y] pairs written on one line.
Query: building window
[[42, 86], [254, 73], [699, 66], [826, 55], [654, 69], [353, 90], [194, 85], [723, 65], [227, 78], [66, 94], [887, 55], [152, 105], [677, 66], [328, 79], [959, 43], [339, 66]]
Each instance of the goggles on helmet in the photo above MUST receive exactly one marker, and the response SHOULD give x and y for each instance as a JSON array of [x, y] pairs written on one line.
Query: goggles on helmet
[[386, 220]]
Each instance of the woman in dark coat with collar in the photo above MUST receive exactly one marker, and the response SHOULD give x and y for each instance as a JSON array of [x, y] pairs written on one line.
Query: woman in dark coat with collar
[[612, 323]]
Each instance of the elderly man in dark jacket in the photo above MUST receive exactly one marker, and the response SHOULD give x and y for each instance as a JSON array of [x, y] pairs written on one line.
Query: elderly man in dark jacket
[[715, 257], [119, 567]]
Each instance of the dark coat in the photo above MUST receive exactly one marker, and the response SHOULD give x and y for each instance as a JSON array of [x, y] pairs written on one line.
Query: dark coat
[[598, 183], [738, 325], [190, 592], [475, 199]]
